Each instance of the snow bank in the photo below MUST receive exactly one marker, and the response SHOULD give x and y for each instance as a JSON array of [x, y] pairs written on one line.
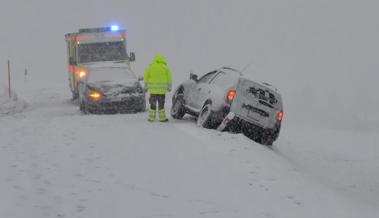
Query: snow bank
[[10, 105]]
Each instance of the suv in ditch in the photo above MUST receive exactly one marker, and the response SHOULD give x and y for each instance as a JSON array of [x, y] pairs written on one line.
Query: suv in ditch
[[226, 100]]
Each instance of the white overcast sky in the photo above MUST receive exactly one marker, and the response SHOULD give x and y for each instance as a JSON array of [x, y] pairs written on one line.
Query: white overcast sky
[[322, 55]]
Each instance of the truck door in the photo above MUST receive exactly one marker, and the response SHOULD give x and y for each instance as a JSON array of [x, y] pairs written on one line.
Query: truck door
[[72, 65]]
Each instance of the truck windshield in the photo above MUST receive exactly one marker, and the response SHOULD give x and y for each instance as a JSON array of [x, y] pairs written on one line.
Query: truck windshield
[[104, 51]]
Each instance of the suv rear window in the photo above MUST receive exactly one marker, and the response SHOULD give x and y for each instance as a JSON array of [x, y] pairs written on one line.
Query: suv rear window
[[264, 96]]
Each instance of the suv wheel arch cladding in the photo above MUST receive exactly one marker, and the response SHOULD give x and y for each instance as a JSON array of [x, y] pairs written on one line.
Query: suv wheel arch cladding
[[178, 91], [175, 98]]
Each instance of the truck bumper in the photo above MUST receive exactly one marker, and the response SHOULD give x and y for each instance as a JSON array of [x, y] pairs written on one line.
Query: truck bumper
[[130, 104]]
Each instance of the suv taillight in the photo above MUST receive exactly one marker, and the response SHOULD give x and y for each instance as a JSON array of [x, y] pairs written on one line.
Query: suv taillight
[[230, 96], [280, 116]]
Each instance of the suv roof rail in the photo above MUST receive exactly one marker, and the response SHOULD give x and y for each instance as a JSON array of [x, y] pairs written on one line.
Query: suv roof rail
[[232, 69]]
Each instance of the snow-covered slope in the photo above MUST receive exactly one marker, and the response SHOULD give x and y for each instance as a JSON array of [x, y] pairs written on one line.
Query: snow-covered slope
[[56, 162]]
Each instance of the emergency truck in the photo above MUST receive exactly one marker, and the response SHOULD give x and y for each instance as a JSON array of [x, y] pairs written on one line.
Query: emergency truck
[[100, 76], [94, 45]]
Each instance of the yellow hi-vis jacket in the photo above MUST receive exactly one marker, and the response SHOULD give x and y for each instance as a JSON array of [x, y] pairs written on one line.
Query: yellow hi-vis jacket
[[158, 77]]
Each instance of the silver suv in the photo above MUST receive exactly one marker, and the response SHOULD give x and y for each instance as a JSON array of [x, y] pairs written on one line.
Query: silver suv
[[226, 100]]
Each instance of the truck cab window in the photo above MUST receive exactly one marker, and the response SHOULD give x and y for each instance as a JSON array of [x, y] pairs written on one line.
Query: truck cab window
[[104, 51]]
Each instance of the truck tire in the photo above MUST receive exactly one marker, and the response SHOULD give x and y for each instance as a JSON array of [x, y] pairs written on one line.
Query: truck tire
[[83, 107], [75, 96]]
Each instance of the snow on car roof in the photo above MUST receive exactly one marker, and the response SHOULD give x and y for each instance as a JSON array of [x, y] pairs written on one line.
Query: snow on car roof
[[231, 70]]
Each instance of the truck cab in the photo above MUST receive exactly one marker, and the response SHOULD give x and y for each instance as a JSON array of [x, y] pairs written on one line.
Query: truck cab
[[94, 45]]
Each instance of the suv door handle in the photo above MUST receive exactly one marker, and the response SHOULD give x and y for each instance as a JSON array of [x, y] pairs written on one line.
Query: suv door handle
[[199, 89]]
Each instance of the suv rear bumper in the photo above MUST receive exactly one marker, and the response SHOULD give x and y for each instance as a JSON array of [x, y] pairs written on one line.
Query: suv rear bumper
[[253, 131]]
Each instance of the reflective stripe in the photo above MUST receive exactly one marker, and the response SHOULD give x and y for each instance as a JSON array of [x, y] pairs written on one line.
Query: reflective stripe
[[158, 85], [151, 115], [158, 88], [162, 115]]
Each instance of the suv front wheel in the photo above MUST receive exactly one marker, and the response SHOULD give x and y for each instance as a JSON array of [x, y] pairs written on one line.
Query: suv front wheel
[[178, 110]]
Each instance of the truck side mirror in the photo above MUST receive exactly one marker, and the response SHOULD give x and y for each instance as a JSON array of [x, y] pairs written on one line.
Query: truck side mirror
[[132, 57], [193, 77]]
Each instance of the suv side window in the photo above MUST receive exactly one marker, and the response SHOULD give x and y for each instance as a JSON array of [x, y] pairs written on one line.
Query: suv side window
[[207, 77], [223, 79]]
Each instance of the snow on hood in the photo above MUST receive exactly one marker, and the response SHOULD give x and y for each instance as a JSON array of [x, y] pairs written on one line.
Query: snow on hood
[[111, 73], [10, 105]]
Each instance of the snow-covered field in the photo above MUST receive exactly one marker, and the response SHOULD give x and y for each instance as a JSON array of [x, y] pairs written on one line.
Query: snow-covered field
[[321, 55], [56, 162]]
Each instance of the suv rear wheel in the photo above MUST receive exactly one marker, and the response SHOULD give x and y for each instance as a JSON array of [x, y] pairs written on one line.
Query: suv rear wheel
[[267, 140], [205, 117]]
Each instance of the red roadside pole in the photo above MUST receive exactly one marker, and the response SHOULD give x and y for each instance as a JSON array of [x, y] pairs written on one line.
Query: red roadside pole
[[9, 78]]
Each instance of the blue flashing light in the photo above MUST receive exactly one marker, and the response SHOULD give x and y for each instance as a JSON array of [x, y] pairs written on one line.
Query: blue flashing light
[[115, 28]]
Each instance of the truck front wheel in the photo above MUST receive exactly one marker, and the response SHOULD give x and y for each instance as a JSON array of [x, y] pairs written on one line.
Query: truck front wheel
[[75, 96], [83, 107]]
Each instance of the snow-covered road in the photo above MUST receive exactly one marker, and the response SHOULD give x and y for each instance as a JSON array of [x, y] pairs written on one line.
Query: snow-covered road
[[56, 162]]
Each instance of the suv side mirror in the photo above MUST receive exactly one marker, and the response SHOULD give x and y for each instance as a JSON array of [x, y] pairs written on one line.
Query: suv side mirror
[[193, 77], [132, 57]]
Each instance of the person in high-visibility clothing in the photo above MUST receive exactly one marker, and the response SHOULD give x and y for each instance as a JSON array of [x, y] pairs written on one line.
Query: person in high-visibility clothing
[[158, 81]]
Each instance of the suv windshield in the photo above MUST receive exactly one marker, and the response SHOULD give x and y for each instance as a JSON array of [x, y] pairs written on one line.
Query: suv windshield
[[104, 51]]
